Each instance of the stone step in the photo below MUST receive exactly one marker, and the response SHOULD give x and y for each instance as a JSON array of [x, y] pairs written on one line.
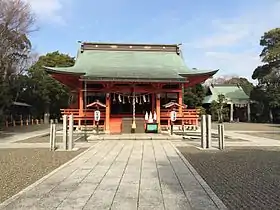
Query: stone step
[[132, 137], [127, 122]]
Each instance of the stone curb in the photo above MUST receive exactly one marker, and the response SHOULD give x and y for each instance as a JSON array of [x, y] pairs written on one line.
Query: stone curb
[[201, 181], [16, 196]]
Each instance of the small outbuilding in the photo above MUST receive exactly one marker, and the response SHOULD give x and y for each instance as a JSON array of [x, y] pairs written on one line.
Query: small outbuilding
[[237, 100]]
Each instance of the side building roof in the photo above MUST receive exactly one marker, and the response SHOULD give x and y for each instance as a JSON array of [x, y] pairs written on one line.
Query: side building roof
[[233, 93], [105, 61]]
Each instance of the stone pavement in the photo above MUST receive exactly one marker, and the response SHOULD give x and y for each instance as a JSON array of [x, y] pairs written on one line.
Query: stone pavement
[[121, 175]]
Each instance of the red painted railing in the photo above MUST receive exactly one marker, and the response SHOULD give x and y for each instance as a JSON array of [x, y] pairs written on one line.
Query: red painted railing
[[188, 117]]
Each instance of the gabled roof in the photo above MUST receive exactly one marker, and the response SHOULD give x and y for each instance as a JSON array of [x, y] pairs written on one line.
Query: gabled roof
[[173, 104], [96, 104], [233, 93], [103, 61]]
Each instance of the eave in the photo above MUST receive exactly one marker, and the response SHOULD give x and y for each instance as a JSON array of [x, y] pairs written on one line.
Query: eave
[[199, 73], [133, 80], [62, 70]]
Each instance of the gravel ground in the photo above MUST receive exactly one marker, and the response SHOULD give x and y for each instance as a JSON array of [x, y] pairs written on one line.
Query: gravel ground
[[249, 126], [242, 178], [275, 136], [20, 168]]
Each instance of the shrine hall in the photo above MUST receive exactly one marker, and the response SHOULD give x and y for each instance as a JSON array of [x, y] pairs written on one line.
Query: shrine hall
[[130, 84]]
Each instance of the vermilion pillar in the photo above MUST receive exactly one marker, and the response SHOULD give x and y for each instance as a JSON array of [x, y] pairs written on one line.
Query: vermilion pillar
[[180, 101], [158, 109], [81, 99], [81, 102], [107, 114]]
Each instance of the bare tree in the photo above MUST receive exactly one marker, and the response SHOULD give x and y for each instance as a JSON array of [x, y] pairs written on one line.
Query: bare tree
[[16, 23], [219, 80]]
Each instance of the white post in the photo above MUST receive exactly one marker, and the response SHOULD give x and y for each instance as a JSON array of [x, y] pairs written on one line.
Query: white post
[[221, 136], [54, 137], [203, 131], [51, 137], [231, 112], [64, 130], [70, 133], [248, 112], [208, 131]]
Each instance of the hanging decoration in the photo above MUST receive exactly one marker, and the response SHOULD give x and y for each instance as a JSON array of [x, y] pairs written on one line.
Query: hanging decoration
[[144, 99], [114, 98], [125, 98]]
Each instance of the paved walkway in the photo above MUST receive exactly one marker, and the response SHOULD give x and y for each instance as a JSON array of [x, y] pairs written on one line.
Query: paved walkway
[[122, 175], [22, 136], [237, 139], [251, 140]]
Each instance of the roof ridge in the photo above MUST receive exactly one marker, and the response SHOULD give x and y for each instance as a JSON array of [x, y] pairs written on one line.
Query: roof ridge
[[85, 46], [128, 44]]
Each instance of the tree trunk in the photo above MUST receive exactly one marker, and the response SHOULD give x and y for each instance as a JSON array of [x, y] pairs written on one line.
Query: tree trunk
[[47, 114], [270, 116], [1, 117]]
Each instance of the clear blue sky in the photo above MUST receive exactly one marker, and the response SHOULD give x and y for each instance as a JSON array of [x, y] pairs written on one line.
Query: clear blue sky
[[217, 34]]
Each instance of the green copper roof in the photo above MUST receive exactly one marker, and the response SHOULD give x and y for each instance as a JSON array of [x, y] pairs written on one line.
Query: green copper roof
[[151, 65], [233, 93]]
